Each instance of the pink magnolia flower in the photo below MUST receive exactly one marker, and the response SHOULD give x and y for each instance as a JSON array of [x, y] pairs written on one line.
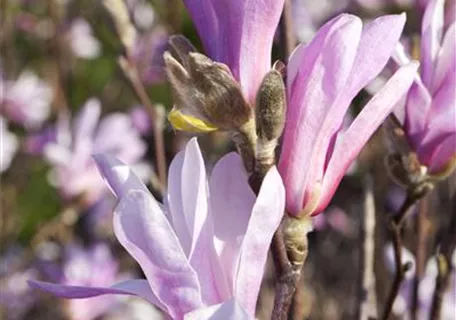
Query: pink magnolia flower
[[238, 33], [74, 172], [430, 107], [323, 78], [27, 100], [203, 252]]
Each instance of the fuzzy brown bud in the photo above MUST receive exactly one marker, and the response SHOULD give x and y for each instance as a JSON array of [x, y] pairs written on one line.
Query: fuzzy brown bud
[[207, 90], [270, 106]]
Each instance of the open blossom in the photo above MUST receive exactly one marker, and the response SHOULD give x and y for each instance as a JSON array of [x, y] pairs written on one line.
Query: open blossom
[[74, 172], [8, 145], [204, 251], [323, 78], [430, 107], [27, 100]]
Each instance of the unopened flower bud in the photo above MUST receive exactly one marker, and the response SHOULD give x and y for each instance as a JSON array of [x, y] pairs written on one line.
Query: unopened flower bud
[[295, 232], [206, 90], [270, 119]]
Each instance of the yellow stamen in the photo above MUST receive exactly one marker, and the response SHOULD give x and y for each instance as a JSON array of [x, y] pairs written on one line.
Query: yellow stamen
[[185, 122]]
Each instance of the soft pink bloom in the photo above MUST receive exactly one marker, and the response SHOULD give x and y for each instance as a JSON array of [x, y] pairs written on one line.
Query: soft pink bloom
[[430, 106], [238, 33], [323, 78], [74, 172], [8, 145], [82, 42], [203, 252], [27, 100]]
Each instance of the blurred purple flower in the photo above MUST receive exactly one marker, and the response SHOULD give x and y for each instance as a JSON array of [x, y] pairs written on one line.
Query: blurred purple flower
[[323, 78], [430, 108], [203, 253], [238, 33], [26, 101], [141, 120], [94, 267], [8, 145], [148, 55], [74, 172], [82, 42], [16, 298]]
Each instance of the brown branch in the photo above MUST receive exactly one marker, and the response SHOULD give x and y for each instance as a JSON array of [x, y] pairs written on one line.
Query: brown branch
[[367, 294], [445, 267], [401, 268], [420, 254], [130, 70]]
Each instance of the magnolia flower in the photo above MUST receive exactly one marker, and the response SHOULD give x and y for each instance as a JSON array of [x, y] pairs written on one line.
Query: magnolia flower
[[203, 252], [27, 100], [74, 172], [323, 78], [8, 145], [430, 108], [82, 42]]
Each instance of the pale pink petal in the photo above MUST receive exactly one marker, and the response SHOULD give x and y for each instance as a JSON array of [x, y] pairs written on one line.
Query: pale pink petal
[[232, 201], [175, 203], [203, 257], [350, 143], [378, 41], [119, 177], [143, 230], [323, 72], [136, 287], [446, 59], [87, 120], [443, 153], [228, 310], [431, 37], [418, 104], [264, 221]]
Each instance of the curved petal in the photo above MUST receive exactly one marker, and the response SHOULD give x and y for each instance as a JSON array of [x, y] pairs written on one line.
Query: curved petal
[[87, 120], [378, 41], [120, 178], [175, 203], [202, 256], [446, 60], [350, 143], [232, 201], [443, 153], [143, 230], [418, 104], [206, 23], [228, 310], [323, 72], [431, 37], [137, 287], [266, 216]]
